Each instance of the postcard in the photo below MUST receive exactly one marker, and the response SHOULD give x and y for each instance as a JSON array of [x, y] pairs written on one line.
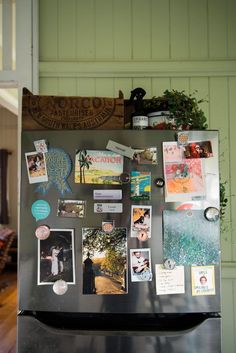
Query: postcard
[[169, 281], [98, 167], [172, 152], [190, 239], [108, 207], [56, 257], [71, 208], [36, 167], [141, 220], [140, 185], [111, 194], [203, 280], [199, 149], [104, 261], [184, 181], [140, 265], [146, 155]]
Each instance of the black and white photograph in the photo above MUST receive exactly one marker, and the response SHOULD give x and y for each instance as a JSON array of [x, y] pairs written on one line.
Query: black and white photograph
[[140, 263], [71, 208], [56, 257]]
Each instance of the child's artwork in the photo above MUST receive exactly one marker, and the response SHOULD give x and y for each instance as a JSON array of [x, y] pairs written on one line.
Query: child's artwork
[[184, 181], [189, 239], [140, 265], [56, 257], [98, 167], [140, 185], [141, 219], [146, 155], [203, 280], [104, 261], [172, 152], [36, 167], [200, 149]]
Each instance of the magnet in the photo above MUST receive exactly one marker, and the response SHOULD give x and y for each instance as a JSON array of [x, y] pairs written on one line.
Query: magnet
[[182, 138], [212, 214], [142, 235], [60, 287], [159, 182], [40, 209], [124, 178], [108, 226], [169, 264], [42, 232]]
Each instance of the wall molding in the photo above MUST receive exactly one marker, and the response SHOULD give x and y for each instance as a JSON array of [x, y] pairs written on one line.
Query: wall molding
[[134, 69]]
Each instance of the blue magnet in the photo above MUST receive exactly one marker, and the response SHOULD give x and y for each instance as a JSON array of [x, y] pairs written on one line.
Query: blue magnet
[[40, 209]]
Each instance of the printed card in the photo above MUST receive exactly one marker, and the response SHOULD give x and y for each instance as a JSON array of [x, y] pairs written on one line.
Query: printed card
[[140, 184], [169, 281], [140, 265], [36, 167], [141, 220], [104, 261], [108, 207], [98, 167], [203, 280]]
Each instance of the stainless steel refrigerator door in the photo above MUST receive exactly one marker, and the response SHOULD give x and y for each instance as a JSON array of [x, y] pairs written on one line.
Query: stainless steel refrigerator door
[[33, 336], [141, 296]]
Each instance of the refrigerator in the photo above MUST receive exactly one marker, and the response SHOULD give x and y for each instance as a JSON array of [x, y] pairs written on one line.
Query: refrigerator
[[95, 298]]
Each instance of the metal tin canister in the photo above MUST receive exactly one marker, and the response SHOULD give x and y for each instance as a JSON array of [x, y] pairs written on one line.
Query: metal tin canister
[[156, 118], [139, 122]]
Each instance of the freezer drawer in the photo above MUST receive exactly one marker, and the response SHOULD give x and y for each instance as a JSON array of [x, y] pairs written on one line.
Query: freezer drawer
[[35, 336]]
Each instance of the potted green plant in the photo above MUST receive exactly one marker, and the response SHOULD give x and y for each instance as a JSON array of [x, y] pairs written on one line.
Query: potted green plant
[[180, 111]]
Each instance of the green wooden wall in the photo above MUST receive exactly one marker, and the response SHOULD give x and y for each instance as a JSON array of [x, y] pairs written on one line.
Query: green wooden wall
[[97, 47]]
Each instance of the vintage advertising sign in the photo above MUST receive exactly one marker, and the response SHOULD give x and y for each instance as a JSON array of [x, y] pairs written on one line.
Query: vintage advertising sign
[[71, 113]]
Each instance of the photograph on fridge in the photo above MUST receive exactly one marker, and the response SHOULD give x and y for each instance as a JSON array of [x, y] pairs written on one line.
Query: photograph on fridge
[[36, 167], [203, 280], [140, 265], [146, 155], [190, 239], [71, 208], [199, 149], [141, 222], [98, 167], [104, 261], [56, 257]]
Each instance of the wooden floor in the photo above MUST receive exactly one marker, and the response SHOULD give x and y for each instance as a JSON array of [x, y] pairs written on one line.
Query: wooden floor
[[8, 309]]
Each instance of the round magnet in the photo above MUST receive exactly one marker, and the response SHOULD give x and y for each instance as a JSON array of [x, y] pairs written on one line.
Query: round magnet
[[42, 232], [124, 178], [60, 287], [40, 209], [159, 182], [143, 235], [169, 264], [107, 226], [212, 214]]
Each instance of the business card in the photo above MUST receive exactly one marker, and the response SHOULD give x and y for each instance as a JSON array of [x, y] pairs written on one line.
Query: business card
[[114, 194], [108, 208]]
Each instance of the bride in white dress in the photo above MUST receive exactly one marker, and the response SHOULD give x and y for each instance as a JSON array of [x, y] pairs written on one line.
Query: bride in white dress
[[54, 267]]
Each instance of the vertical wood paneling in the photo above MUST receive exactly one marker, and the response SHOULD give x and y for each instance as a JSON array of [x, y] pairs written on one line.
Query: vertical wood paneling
[[141, 41], [201, 85], [145, 83], [159, 85], [198, 34], [232, 147], [217, 28], [179, 35], [86, 87], [85, 30], [8, 140], [67, 29], [160, 36], [48, 26], [123, 84], [180, 84], [228, 316], [67, 87], [231, 28], [48, 86], [104, 29], [122, 29], [104, 87]]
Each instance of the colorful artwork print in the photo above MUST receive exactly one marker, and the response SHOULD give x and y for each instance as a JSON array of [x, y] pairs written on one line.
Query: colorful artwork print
[[36, 167], [98, 167], [146, 155], [140, 185], [140, 263], [201, 149], [56, 257], [203, 280], [172, 152], [189, 239], [141, 220], [104, 261], [184, 178], [71, 208]]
